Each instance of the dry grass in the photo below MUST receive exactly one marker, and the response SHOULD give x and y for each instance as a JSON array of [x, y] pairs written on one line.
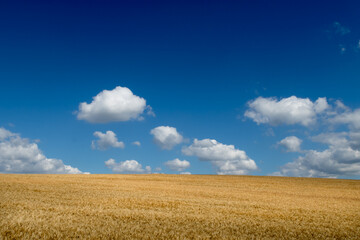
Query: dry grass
[[177, 207]]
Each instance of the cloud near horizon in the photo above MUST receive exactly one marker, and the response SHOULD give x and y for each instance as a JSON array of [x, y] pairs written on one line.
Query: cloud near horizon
[[127, 166], [225, 158], [336, 160], [341, 157], [20, 155], [177, 165], [117, 105]]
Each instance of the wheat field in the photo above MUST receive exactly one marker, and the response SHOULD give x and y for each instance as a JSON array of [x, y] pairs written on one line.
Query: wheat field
[[161, 206]]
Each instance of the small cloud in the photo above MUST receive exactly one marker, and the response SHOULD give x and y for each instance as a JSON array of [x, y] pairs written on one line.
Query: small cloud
[[148, 169], [136, 143], [117, 105], [225, 158], [128, 166], [291, 144], [166, 137], [149, 111], [177, 165], [185, 173], [106, 140]]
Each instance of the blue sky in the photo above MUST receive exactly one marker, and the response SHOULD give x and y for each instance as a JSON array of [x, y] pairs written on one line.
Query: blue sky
[[275, 84]]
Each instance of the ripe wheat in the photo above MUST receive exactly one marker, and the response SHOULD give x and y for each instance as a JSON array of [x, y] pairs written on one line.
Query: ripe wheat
[[177, 207]]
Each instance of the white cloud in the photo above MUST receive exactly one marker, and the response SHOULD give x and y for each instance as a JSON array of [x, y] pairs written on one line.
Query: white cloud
[[166, 137], [341, 158], [350, 117], [289, 111], [341, 106], [225, 158], [148, 169], [5, 134], [291, 144], [177, 165], [128, 166], [20, 155], [136, 143], [149, 111], [321, 105], [334, 139], [116, 105], [106, 140], [329, 163], [185, 173]]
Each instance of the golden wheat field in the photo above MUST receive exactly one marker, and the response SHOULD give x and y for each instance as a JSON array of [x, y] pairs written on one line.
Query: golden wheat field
[[177, 207]]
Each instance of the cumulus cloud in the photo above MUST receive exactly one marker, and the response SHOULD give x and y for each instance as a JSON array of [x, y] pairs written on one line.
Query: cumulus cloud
[[225, 158], [5, 134], [128, 166], [185, 173], [352, 118], [321, 105], [166, 137], [106, 140], [333, 138], [340, 139], [20, 155], [329, 163], [177, 165], [291, 144], [116, 105], [136, 143], [288, 111], [341, 158], [341, 155]]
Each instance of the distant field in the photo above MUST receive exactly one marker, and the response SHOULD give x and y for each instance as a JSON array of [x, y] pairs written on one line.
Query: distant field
[[177, 207]]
